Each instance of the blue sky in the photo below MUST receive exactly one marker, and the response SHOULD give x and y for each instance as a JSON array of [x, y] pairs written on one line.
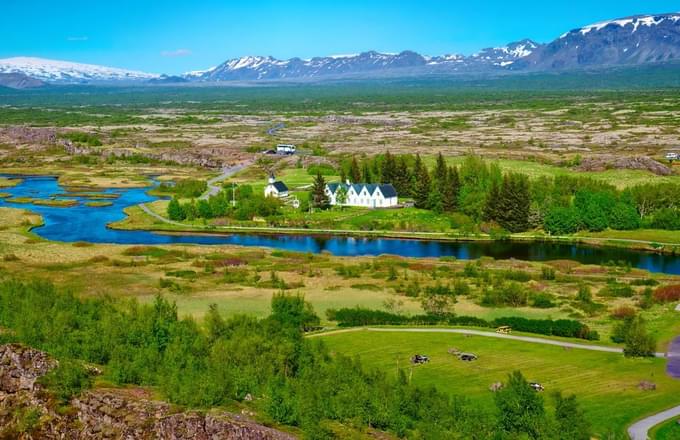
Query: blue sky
[[173, 36]]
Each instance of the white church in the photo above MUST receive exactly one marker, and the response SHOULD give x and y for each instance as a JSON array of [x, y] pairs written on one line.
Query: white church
[[275, 188], [365, 195]]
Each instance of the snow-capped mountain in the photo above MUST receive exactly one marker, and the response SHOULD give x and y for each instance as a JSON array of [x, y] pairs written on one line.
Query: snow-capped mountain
[[65, 72], [367, 63], [634, 40]]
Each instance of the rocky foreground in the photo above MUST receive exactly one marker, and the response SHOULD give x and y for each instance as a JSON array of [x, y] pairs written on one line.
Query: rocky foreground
[[28, 411]]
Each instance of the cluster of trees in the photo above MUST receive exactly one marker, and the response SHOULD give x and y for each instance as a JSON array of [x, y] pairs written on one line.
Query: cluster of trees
[[295, 381], [185, 188], [358, 316], [248, 205], [480, 190]]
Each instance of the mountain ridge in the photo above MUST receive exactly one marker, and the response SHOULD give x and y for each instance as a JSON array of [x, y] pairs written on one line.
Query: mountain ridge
[[627, 41]]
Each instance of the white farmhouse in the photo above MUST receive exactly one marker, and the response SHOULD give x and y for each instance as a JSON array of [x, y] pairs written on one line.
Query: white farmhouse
[[363, 194], [275, 188]]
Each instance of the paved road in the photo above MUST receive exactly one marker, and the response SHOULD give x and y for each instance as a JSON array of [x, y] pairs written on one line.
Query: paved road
[[463, 331], [214, 188], [272, 131], [640, 430]]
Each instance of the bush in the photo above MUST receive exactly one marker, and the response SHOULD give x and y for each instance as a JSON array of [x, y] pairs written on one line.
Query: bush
[[562, 221], [324, 169], [669, 293], [623, 312], [509, 294], [543, 301], [547, 273], [561, 327], [69, 379]]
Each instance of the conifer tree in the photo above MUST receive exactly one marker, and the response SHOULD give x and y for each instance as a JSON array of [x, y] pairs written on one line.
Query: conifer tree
[[354, 171], [402, 178], [366, 173], [388, 169], [440, 172], [422, 187], [514, 203], [319, 196], [492, 203]]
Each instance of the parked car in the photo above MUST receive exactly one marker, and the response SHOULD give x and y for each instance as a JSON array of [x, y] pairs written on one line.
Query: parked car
[[537, 386], [672, 156], [467, 357], [419, 359], [506, 329]]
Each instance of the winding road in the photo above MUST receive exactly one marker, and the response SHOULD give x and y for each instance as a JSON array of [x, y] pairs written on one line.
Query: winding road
[[214, 188]]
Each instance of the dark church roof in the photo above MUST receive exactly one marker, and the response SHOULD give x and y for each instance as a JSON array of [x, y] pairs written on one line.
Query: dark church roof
[[280, 186]]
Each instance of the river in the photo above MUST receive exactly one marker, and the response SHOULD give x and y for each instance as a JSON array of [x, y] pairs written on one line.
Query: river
[[84, 223]]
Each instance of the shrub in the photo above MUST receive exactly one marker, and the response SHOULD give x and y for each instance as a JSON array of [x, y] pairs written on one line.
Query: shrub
[[324, 169], [562, 221], [667, 293], [69, 379], [543, 301], [547, 273], [623, 312], [509, 294]]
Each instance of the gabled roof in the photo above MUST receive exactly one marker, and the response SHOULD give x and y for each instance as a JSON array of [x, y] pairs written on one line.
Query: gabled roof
[[280, 186], [386, 189]]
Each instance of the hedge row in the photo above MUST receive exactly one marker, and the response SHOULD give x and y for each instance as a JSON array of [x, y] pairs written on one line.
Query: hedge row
[[358, 317]]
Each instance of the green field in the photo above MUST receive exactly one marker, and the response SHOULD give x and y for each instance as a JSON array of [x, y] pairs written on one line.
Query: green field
[[669, 430], [605, 383]]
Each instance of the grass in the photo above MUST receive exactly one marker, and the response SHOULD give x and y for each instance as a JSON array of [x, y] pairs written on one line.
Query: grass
[[98, 204], [605, 383], [6, 182], [668, 430]]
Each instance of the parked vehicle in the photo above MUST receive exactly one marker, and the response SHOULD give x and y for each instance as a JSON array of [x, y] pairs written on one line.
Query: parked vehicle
[[537, 386], [419, 359]]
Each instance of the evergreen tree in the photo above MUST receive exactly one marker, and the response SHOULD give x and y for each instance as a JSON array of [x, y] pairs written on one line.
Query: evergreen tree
[[354, 171], [422, 188], [366, 173], [402, 178], [514, 203], [343, 175], [440, 172], [388, 170], [319, 196], [175, 211], [452, 190]]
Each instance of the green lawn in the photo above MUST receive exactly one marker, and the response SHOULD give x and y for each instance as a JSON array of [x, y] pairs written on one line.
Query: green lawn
[[669, 430], [605, 383]]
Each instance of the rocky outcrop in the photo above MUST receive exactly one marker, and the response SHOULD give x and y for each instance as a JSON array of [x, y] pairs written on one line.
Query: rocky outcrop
[[602, 163], [27, 411]]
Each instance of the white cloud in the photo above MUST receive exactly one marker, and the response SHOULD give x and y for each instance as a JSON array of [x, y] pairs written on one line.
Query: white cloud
[[176, 53], [78, 38]]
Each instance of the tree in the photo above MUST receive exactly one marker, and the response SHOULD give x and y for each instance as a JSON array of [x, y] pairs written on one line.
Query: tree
[[514, 202], [624, 217], [388, 170], [422, 186], [319, 196], [354, 171], [561, 220], [571, 422], [366, 173], [341, 196], [520, 408], [491, 209], [402, 179], [175, 211], [451, 190], [293, 311], [440, 175], [639, 343]]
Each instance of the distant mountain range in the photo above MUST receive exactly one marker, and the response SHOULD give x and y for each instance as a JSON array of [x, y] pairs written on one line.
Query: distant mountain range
[[631, 41]]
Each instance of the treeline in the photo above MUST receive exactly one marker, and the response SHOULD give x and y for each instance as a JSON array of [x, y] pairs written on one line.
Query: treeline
[[482, 192], [359, 317], [291, 380], [248, 205]]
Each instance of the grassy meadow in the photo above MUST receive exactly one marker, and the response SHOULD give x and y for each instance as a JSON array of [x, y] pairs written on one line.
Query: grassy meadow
[[606, 384]]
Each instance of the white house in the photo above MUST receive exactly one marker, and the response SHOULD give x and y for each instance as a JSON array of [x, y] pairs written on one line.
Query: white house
[[275, 188], [285, 149], [363, 194]]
